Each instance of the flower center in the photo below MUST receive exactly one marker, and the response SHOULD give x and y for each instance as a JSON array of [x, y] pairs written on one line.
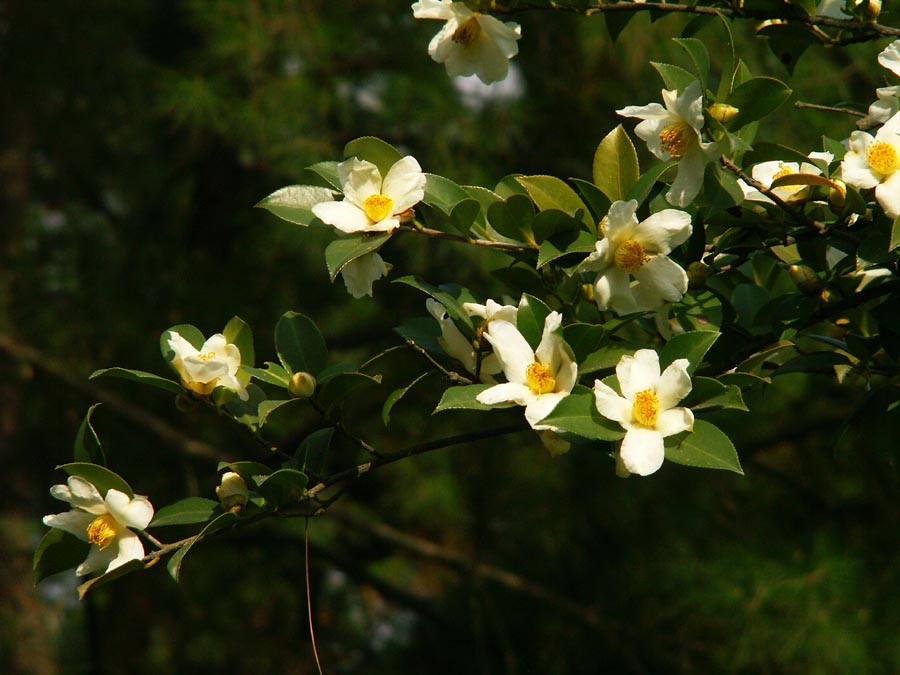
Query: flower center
[[646, 408], [785, 170], [882, 157], [206, 356], [540, 379], [630, 256], [378, 207], [102, 530], [675, 138], [468, 32]]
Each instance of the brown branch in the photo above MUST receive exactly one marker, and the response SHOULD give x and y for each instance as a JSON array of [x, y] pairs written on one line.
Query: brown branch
[[437, 234], [827, 108]]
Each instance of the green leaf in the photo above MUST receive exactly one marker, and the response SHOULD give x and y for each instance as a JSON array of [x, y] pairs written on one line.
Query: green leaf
[[743, 380], [615, 168], [598, 202], [449, 296], [273, 373], [238, 333], [374, 150], [895, 234], [729, 61], [87, 444], [641, 189], [674, 76], [283, 487], [175, 562], [186, 512], [423, 332], [751, 363], [140, 376], [103, 579], [707, 393], [616, 22], [549, 192], [563, 244], [246, 470], [691, 345], [58, 551], [294, 203], [552, 222], [577, 414], [443, 193], [697, 51], [395, 397], [341, 386], [530, 319], [463, 398], [266, 408], [706, 447], [300, 345], [787, 41], [311, 453], [102, 478], [512, 218], [246, 412], [756, 98], [508, 186], [328, 172], [346, 249], [583, 338], [817, 362]]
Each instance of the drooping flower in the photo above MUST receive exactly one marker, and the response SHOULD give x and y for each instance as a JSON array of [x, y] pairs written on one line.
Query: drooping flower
[[767, 172], [673, 132], [639, 250], [470, 43], [646, 409], [537, 379], [102, 521], [873, 162], [373, 203], [886, 106], [360, 273], [215, 364]]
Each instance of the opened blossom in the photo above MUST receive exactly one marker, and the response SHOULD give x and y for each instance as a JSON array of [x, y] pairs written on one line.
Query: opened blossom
[[215, 364], [372, 202], [536, 378], [673, 132], [646, 409], [634, 271], [873, 162], [470, 43], [768, 172], [103, 521], [361, 273]]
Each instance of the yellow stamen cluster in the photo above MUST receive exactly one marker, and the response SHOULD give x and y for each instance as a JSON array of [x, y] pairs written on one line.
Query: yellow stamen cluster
[[206, 356], [378, 207], [645, 410], [630, 256], [540, 379], [785, 170], [882, 157], [468, 32], [102, 530], [676, 137]]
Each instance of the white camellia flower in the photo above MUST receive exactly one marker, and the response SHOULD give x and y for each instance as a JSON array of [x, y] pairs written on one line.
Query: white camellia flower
[[492, 310], [872, 162], [103, 522], [373, 204], [470, 43], [640, 250], [360, 273], [537, 379], [885, 107], [215, 364], [673, 132], [767, 172], [646, 409], [890, 57]]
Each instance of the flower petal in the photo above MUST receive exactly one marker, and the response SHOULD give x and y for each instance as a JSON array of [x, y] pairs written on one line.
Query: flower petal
[[128, 548], [674, 421], [888, 195], [360, 273], [551, 345], [136, 512], [638, 373], [97, 560], [663, 277], [689, 178], [541, 406], [359, 180], [664, 230], [512, 349], [404, 184], [74, 522], [674, 383], [508, 392], [642, 451], [432, 9], [610, 404], [345, 216]]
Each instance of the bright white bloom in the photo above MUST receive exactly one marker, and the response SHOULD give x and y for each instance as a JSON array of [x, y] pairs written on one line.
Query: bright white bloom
[[640, 250], [767, 172], [215, 364], [673, 132], [872, 162], [890, 57], [537, 379], [470, 43], [492, 310], [883, 109], [646, 409], [373, 204], [103, 522], [360, 273]]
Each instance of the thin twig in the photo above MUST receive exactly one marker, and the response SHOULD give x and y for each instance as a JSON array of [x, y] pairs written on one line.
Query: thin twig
[[827, 108], [437, 234], [449, 374], [312, 630]]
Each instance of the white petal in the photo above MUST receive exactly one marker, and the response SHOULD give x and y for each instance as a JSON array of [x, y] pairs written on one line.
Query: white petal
[[360, 273], [81, 494], [432, 9], [137, 512], [890, 132], [649, 131], [359, 180], [890, 57], [664, 230], [652, 111], [566, 374], [128, 547], [689, 178], [674, 383], [97, 560], [621, 222], [598, 260], [663, 278], [541, 406], [345, 216], [442, 45], [638, 373], [888, 195], [642, 451], [511, 348], [504, 35], [674, 421], [613, 289], [508, 392], [404, 184], [689, 106], [610, 404], [74, 522], [548, 351]]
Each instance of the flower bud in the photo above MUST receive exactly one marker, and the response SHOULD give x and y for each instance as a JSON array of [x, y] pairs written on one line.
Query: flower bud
[[722, 112], [302, 385], [837, 197], [232, 493], [587, 292], [869, 9], [805, 279], [697, 274]]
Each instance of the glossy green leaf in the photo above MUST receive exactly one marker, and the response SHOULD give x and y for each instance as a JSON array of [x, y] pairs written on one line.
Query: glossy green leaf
[[593, 196], [691, 345], [374, 150], [816, 362], [102, 478], [443, 193], [283, 487], [186, 512], [294, 203], [530, 319], [512, 218], [616, 22], [708, 393], [311, 453], [706, 447], [674, 77], [423, 332], [756, 98], [238, 333], [698, 54], [140, 376], [584, 339], [395, 396], [342, 251], [895, 234], [273, 373], [87, 445], [615, 168], [551, 222], [328, 172], [577, 414], [266, 408], [57, 552], [246, 412], [449, 296], [462, 398], [549, 192], [300, 345], [175, 562], [641, 189], [566, 243], [103, 579]]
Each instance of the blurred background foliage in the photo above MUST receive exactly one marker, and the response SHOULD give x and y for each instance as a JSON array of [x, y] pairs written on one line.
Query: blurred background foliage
[[137, 137]]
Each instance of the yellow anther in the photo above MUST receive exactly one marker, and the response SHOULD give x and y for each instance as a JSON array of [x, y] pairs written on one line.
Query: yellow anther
[[676, 137], [206, 356], [468, 32], [785, 170], [630, 256], [882, 157], [378, 207], [540, 379], [604, 222], [646, 408], [102, 530]]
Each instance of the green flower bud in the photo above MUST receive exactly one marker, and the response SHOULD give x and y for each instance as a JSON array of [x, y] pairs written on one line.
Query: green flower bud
[[805, 279], [697, 274], [302, 385], [232, 493]]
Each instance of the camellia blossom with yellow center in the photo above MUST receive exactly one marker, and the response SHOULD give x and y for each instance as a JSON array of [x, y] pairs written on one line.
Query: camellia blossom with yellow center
[[103, 522], [215, 364], [873, 162], [470, 43], [646, 409], [638, 250], [537, 379], [373, 204], [673, 132], [767, 172]]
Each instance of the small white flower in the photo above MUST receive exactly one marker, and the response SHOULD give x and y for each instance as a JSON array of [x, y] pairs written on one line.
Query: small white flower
[[872, 162], [103, 522], [646, 409], [767, 172], [492, 310], [360, 273], [883, 109], [640, 250], [373, 204], [537, 379], [470, 43], [458, 346], [673, 132], [215, 364]]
